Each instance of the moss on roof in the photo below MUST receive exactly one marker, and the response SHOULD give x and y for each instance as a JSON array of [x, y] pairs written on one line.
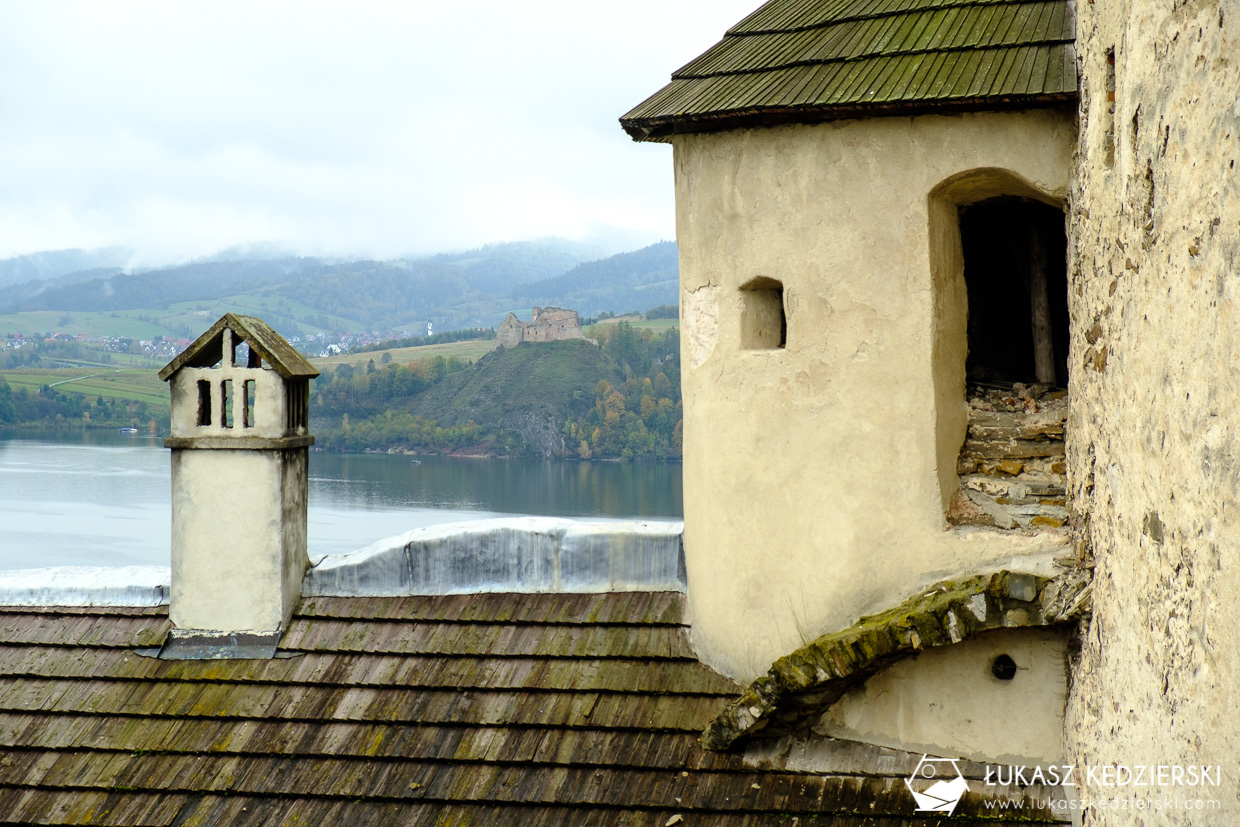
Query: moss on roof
[[482, 709], [806, 60]]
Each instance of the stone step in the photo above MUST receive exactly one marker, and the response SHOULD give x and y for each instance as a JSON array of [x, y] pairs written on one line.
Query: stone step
[[1010, 449]]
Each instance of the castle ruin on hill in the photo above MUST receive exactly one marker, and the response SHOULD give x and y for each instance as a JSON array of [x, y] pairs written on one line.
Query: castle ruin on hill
[[547, 324]]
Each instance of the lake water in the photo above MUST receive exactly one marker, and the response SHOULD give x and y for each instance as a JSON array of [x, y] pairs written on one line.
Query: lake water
[[99, 498]]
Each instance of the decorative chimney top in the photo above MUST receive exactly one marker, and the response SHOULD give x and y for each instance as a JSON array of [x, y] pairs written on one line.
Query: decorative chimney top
[[240, 399]]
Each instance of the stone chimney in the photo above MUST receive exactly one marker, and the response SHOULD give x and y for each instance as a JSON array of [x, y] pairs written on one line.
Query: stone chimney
[[240, 395]]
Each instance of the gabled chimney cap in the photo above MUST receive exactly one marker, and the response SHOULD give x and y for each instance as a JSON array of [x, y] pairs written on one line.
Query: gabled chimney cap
[[208, 348]]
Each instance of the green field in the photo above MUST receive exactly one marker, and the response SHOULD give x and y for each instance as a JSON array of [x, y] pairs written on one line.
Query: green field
[[180, 320], [282, 313], [121, 323], [639, 322], [470, 349], [113, 383]]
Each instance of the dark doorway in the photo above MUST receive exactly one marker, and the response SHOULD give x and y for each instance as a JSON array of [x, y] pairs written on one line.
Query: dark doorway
[[1016, 273]]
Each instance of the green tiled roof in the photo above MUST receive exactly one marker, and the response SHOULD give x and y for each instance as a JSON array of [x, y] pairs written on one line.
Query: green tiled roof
[[805, 60]]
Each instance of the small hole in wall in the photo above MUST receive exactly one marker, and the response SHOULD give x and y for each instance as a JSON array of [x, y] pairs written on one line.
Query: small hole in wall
[[764, 323], [1004, 668]]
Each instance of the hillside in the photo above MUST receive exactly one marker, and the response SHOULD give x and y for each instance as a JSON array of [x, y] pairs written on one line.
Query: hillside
[[617, 400], [634, 281], [55, 263], [532, 389], [307, 296]]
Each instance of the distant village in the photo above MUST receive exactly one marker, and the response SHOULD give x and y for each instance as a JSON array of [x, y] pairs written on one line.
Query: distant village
[[166, 347], [546, 324]]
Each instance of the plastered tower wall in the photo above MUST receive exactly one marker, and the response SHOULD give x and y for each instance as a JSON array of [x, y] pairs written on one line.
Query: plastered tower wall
[[817, 474], [1155, 456]]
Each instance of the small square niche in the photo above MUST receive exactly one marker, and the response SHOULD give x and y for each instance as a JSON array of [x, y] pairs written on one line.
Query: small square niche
[[764, 324]]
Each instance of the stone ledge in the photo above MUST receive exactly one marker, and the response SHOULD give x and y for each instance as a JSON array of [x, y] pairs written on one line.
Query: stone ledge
[[801, 685], [239, 443]]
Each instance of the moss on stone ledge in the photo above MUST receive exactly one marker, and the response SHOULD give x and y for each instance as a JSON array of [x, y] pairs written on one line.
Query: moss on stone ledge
[[801, 685]]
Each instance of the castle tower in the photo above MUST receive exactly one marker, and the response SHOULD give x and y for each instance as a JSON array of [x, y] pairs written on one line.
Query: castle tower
[[239, 445]]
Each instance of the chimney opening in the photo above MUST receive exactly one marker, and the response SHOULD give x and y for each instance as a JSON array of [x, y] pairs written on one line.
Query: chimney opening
[[204, 402], [247, 404], [227, 390]]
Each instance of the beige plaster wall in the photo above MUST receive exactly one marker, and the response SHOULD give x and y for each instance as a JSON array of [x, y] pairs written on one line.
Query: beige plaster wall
[[1156, 333], [816, 475], [270, 411], [238, 538], [948, 701]]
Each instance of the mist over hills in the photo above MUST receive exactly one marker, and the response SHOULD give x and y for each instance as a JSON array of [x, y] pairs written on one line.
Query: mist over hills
[[302, 295], [56, 263]]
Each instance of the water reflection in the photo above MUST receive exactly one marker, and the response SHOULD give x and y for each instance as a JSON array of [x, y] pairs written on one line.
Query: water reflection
[[102, 498], [561, 489]]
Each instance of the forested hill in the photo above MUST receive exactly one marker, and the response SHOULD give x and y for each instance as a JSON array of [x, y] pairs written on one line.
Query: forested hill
[[638, 280], [299, 296], [618, 399]]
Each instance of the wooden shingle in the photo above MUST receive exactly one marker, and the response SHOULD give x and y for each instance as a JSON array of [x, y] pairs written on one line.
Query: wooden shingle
[[484, 709], [813, 60]]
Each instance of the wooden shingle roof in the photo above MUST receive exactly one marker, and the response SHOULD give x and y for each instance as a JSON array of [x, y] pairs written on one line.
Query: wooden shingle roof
[[493, 709], [208, 348], [811, 60]]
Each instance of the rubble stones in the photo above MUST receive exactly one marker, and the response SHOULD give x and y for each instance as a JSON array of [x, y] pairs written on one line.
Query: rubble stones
[[1012, 470]]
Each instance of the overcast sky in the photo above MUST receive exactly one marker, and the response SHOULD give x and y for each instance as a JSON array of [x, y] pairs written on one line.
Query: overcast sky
[[355, 128]]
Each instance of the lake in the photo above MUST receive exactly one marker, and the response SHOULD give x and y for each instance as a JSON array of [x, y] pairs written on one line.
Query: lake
[[99, 498]]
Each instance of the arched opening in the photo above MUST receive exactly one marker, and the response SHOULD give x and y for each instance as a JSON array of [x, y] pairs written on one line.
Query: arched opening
[[764, 322], [1016, 278], [998, 253]]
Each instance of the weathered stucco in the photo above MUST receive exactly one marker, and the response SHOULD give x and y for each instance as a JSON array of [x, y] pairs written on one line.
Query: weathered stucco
[[919, 675], [949, 702], [269, 403], [1156, 338], [510, 554], [240, 476], [817, 474], [238, 538]]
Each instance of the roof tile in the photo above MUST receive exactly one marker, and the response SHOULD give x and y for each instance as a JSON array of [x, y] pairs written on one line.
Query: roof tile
[[482, 709], [755, 74]]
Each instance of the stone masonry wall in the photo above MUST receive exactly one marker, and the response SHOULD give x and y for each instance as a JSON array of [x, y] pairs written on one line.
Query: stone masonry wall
[[548, 324], [1154, 428]]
